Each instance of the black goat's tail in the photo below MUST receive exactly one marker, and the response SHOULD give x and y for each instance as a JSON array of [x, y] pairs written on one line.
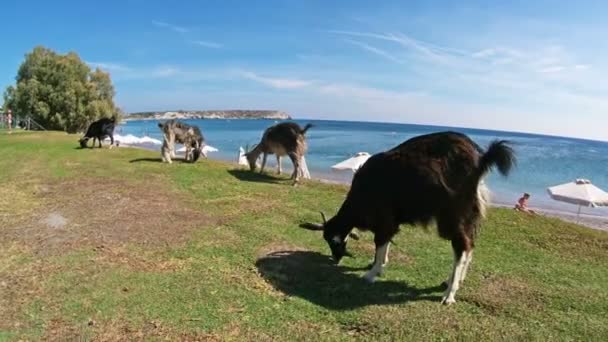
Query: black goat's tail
[[498, 154], [303, 131]]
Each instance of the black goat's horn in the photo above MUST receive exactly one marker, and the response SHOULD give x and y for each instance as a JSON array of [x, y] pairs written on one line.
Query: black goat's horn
[[311, 226], [324, 219]]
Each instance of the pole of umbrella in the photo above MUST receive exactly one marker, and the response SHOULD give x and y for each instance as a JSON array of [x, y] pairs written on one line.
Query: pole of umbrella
[[578, 214]]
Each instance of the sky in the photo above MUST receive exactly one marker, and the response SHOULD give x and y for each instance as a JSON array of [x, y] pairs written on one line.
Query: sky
[[529, 66]]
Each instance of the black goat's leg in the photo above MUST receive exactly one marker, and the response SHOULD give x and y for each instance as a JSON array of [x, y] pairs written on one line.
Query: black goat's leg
[[380, 259], [462, 248], [467, 262]]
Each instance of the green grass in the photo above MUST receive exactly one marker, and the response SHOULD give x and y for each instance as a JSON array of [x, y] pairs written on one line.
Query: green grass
[[247, 271]]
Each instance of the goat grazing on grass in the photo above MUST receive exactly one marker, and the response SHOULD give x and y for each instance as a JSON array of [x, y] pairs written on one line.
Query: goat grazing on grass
[[190, 136], [430, 177], [99, 130], [285, 138]]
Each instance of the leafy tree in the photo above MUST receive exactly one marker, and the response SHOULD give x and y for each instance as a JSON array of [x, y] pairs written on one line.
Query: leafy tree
[[60, 91]]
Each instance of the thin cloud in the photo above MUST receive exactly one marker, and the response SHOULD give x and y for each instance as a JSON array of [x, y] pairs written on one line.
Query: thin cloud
[[375, 50], [484, 53], [108, 66], [207, 44], [435, 52], [278, 83], [552, 69], [499, 52], [362, 92], [164, 71], [175, 28]]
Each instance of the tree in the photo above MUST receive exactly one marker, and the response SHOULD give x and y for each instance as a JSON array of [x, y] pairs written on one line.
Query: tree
[[60, 91]]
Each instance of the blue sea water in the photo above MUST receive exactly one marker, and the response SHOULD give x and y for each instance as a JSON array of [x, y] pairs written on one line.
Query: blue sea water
[[543, 161]]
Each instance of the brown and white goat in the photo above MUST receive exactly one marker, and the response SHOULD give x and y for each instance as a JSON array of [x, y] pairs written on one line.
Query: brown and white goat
[[430, 177], [178, 132], [286, 138]]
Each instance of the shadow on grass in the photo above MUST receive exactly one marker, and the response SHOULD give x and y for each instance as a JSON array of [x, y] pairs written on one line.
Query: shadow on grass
[[148, 160], [314, 277], [90, 148], [249, 176], [157, 160]]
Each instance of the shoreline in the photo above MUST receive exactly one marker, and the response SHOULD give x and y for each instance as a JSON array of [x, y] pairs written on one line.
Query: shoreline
[[597, 222]]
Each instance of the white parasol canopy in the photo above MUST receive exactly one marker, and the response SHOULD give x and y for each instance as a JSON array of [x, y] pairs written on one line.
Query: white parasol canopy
[[242, 159], [304, 169], [353, 163], [206, 149], [130, 139], [580, 192]]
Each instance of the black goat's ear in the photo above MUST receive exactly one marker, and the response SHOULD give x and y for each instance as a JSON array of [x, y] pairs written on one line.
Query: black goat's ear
[[311, 226]]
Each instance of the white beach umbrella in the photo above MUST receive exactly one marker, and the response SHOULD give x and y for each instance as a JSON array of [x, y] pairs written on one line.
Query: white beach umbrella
[[147, 139], [130, 139], [206, 149], [242, 159], [304, 169], [580, 192], [353, 163]]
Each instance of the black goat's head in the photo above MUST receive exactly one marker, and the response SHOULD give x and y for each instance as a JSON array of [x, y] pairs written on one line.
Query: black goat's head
[[83, 142], [333, 235]]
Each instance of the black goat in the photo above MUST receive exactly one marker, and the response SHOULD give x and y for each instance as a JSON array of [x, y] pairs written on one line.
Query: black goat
[[286, 138], [430, 177], [99, 130]]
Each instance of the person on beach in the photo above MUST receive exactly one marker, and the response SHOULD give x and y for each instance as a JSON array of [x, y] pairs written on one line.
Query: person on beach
[[522, 204], [9, 120]]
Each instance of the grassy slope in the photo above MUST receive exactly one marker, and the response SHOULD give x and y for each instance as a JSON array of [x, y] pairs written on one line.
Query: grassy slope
[[532, 277]]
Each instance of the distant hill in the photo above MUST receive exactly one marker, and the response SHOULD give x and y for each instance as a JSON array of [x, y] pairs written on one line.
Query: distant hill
[[210, 114]]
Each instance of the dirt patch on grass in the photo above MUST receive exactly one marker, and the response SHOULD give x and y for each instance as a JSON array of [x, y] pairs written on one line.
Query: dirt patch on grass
[[16, 203], [102, 212], [20, 283], [499, 294], [120, 330]]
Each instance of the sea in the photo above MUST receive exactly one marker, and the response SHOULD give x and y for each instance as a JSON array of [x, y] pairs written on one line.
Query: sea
[[543, 161]]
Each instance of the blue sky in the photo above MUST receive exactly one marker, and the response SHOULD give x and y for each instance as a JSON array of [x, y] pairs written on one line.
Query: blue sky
[[533, 66]]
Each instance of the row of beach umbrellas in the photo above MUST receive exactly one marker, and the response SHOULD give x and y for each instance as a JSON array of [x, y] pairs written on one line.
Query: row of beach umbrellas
[[580, 192]]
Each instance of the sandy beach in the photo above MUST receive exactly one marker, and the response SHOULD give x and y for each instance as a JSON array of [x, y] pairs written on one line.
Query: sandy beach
[[591, 221]]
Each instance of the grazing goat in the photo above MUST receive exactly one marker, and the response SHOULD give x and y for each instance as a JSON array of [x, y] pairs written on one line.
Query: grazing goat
[[430, 177], [190, 136], [286, 138], [99, 130]]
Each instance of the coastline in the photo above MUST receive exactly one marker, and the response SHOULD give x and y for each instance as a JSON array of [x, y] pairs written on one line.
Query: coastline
[[597, 222]]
